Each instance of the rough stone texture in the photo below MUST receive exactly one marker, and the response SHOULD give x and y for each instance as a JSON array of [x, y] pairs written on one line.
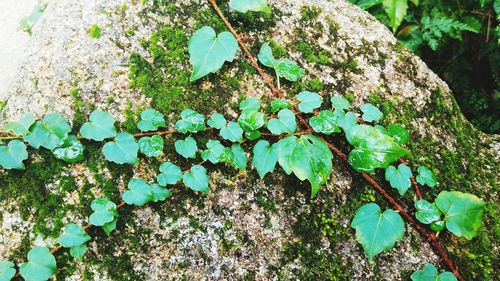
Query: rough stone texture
[[247, 228]]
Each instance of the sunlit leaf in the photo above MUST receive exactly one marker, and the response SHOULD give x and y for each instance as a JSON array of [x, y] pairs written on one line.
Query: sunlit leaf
[[427, 212], [170, 174], [232, 132], [41, 265], [264, 157], [100, 126], [123, 150], [251, 120], [278, 104], [399, 133], [340, 103], [399, 178], [196, 179], [13, 155], [75, 238], [22, 126], [70, 151], [151, 146], [284, 124], [191, 121], [309, 101], [139, 193], [104, 212], [371, 113], [49, 133], [347, 121], [244, 6], [213, 152], [250, 104], [326, 122], [253, 135], [284, 68], [7, 270], [187, 147], [216, 121], [426, 177], [151, 120], [430, 273], [239, 159]]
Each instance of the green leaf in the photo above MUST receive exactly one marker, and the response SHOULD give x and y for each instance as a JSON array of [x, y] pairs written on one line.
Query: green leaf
[[104, 212], [283, 68], [13, 155], [427, 212], [78, 251], [23, 126], [284, 124], [100, 127], [187, 147], [123, 150], [159, 193], [308, 157], [151, 120], [232, 132], [371, 113], [340, 103], [208, 52], [41, 265], [7, 270], [347, 121], [151, 146], [253, 135], [377, 231], [251, 120], [213, 152], [430, 273], [278, 104], [109, 227], [191, 121], [396, 10], [309, 101], [373, 149], [399, 133], [438, 226], [239, 159], [463, 212], [196, 179], [244, 6], [170, 174], [75, 238], [70, 151], [326, 122], [399, 178], [250, 104], [426, 177], [139, 193], [265, 157], [49, 132], [216, 121]]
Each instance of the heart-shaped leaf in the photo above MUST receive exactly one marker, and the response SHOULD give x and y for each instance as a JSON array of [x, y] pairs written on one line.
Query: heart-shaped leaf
[[377, 231], [187, 147], [399, 178], [70, 151], [284, 68], [347, 121], [399, 133], [139, 193], [252, 103], [21, 127], [232, 132], [430, 273], [284, 124], [239, 158], [196, 179], [170, 174], [100, 126], [278, 104], [123, 150], [251, 120], [41, 265], [340, 103], [371, 113], [104, 212], [213, 152], [49, 133], [244, 6], [427, 212], [151, 120], [151, 146], [208, 52], [159, 193], [75, 238], [7, 270], [264, 157], [326, 122], [309, 101], [191, 121], [426, 177], [216, 121], [13, 155]]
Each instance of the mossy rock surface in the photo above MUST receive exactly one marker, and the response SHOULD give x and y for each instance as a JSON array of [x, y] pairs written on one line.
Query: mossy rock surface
[[246, 228]]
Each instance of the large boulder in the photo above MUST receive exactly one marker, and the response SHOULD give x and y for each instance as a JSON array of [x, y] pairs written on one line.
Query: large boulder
[[246, 228]]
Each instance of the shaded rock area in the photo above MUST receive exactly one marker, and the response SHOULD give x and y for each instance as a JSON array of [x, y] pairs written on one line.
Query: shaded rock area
[[246, 228]]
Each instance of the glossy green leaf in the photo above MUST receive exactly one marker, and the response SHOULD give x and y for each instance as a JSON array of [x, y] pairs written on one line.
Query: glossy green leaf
[[109, 227], [370, 112], [232, 132], [208, 52], [170, 174], [309, 101], [284, 124], [251, 120], [340, 103], [278, 104], [213, 152], [138, 194], [427, 212], [191, 121], [100, 126], [430, 273], [253, 135], [49, 133], [463, 212], [239, 159], [372, 149], [104, 212], [196, 179], [382, 129], [75, 238], [264, 157], [13, 155], [426, 177], [151, 120], [70, 151], [244, 6], [438, 226], [123, 150], [250, 104], [347, 121], [396, 10], [41, 265], [151, 146], [7, 270], [399, 178], [377, 231], [187, 147], [284, 68], [308, 157], [216, 121], [399, 133], [325, 122], [21, 127]]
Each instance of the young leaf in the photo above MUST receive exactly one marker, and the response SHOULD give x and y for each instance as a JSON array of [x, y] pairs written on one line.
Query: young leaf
[[139, 193], [399, 178], [250, 104], [22, 127], [104, 212], [340, 103], [377, 231], [284, 124], [70, 151], [191, 121], [232, 132], [283, 68], [430, 272], [399, 133], [239, 159], [170, 174], [251, 120], [75, 238], [309, 101], [208, 52], [159, 193], [371, 113], [265, 157], [463, 212], [244, 6], [253, 135], [326, 122], [7, 270], [123, 150], [196, 179], [109, 227], [427, 212], [49, 132], [13, 155], [426, 176], [278, 104], [100, 126], [348, 121], [151, 120], [396, 10], [187, 147], [151, 146], [216, 121], [41, 265], [213, 152]]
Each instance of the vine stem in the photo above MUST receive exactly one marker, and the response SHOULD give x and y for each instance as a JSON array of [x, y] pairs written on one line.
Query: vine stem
[[413, 182], [431, 237]]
